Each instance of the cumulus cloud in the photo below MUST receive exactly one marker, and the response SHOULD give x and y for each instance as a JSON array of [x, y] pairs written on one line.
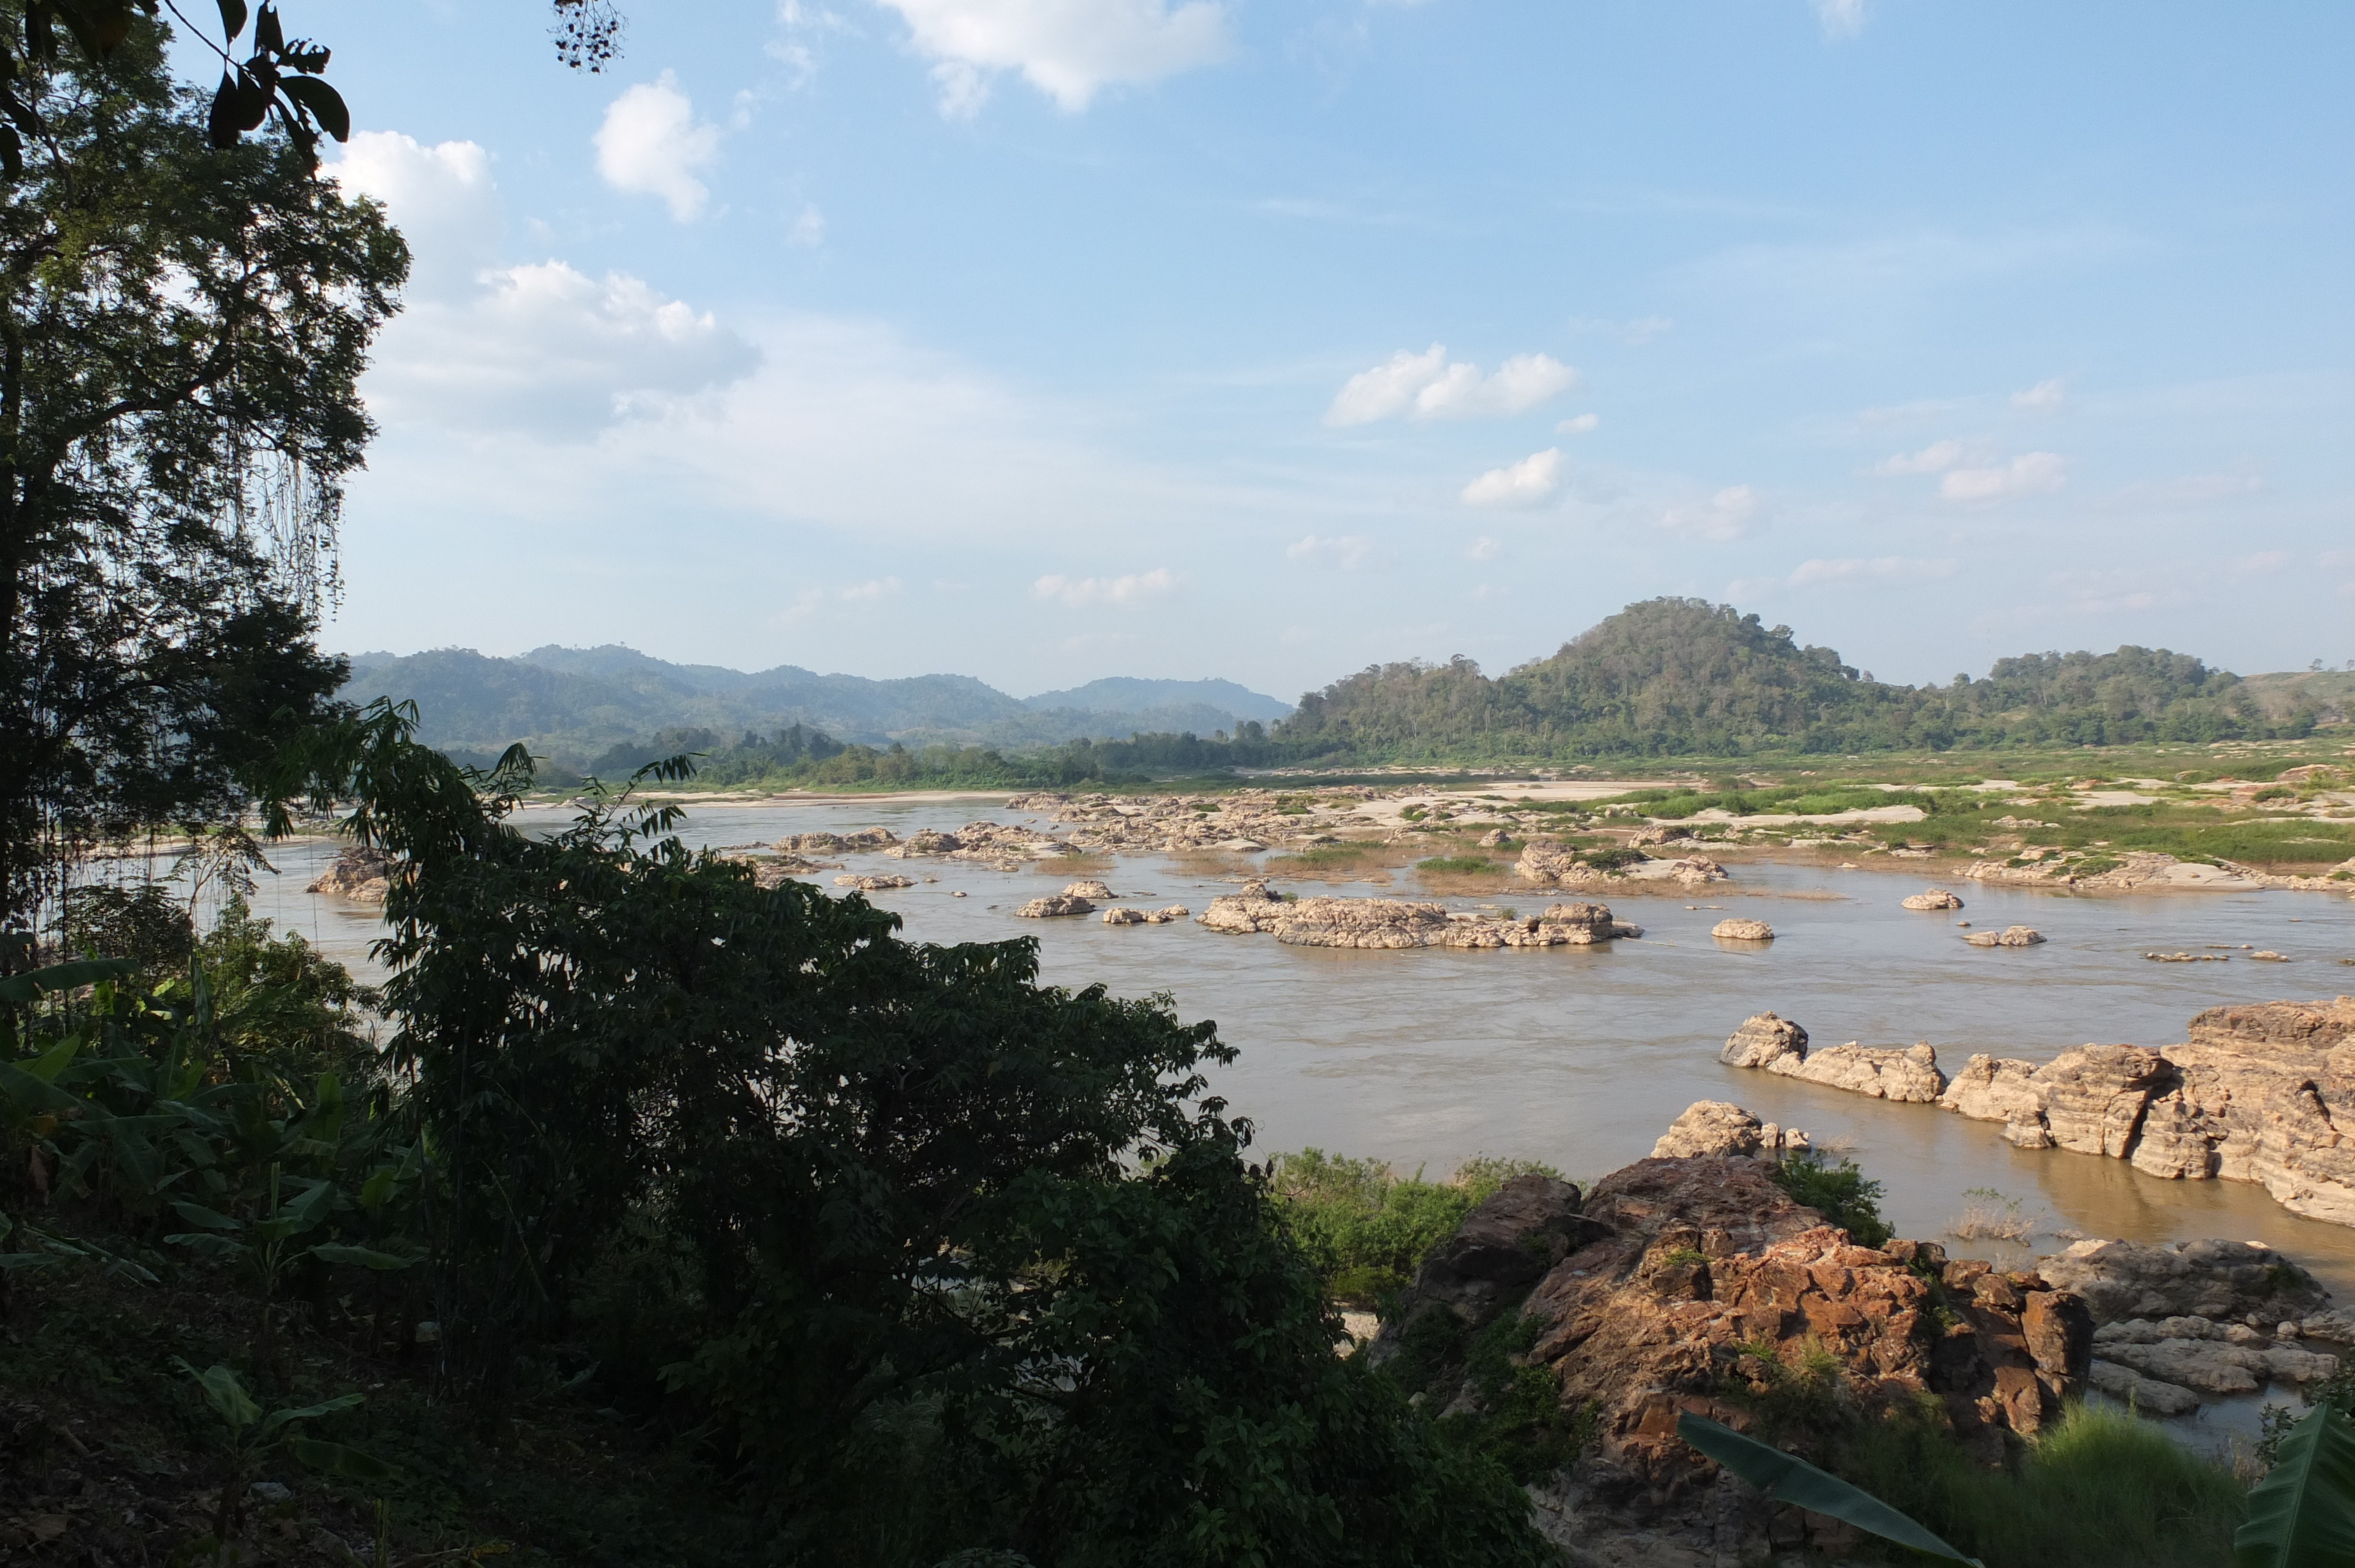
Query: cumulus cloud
[[1426, 386], [2042, 397], [808, 232], [1528, 482], [485, 348], [1346, 552], [1841, 18], [1935, 458], [1579, 425], [1080, 592], [1724, 515], [443, 198], [2033, 473], [1068, 49], [1484, 549], [652, 145]]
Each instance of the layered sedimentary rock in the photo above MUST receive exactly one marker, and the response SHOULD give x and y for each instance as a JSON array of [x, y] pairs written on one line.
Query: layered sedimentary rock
[[2263, 1094], [1780, 1046], [1932, 898], [1549, 864], [1055, 905], [874, 884], [1741, 931], [999, 845], [1722, 1129], [2127, 870], [2010, 937], [863, 840], [2204, 1279], [361, 873], [1379, 923], [1144, 917], [1675, 1286]]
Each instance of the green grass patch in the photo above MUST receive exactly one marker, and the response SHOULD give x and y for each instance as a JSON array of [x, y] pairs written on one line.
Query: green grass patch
[[2101, 1488], [1367, 1227], [1326, 857], [1458, 865], [1810, 800]]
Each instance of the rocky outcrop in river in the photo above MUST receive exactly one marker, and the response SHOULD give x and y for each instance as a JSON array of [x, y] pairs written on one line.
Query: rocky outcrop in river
[[2263, 1094], [1697, 1285], [1398, 923], [1550, 863], [2125, 871], [361, 873]]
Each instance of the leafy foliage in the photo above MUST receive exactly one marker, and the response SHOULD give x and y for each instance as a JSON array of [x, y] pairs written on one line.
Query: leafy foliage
[[185, 328], [1366, 1227], [1840, 1191]]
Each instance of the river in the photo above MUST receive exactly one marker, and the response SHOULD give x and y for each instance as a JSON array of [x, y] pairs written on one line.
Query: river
[[1581, 1057]]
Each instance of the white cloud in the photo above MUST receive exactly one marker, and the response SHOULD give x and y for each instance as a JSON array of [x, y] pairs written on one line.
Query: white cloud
[[2263, 562], [1841, 18], [2033, 473], [1068, 49], [1346, 552], [1484, 549], [1080, 592], [1724, 515], [2042, 397], [809, 229], [1876, 570], [487, 349], [1525, 483], [1579, 425], [652, 145], [1935, 458], [1425, 386], [443, 197]]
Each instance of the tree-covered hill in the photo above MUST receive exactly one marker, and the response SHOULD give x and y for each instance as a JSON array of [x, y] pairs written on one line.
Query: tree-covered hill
[[1681, 677], [577, 705]]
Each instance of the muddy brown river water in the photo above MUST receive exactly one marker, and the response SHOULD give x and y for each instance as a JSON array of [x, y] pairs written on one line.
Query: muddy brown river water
[[1581, 1057]]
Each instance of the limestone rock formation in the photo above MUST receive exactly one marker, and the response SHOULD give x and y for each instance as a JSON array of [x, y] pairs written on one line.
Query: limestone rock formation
[[2213, 1279], [1741, 931], [2010, 937], [1393, 923], [1144, 917], [2262, 1094], [1089, 889], [1717, 1130], [1932, 898], [1895, 1073], [1548, 865], [1054, 904], [1762, 1040], [362, 874], [862, 842], [2146, 1396], [874, 884], [1238, 914]]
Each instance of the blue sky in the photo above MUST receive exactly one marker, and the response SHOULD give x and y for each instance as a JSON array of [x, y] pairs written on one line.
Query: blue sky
[[1041, 340]]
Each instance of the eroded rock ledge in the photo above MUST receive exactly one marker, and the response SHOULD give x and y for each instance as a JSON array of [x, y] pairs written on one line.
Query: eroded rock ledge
[[2263, 1094], [1399, 923]]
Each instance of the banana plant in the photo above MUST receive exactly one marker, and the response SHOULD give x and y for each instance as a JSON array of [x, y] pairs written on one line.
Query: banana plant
[[2302, 1515], [250, 1435], [1788, 1478]]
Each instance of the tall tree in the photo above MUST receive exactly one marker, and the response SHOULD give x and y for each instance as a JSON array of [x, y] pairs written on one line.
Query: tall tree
[[182, 330]]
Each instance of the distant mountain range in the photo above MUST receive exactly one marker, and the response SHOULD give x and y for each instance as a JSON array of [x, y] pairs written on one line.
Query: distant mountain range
[[573, 704]]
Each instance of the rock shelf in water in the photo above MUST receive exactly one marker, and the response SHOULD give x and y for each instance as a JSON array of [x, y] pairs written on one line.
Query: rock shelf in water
[[1378, 923], [2263, 1094]]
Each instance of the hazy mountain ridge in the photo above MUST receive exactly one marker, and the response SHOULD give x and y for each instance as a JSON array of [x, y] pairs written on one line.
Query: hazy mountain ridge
[[576, 704]]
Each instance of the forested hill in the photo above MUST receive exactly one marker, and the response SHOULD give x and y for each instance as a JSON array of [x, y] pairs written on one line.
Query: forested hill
[[579, 705], [1681, 677]]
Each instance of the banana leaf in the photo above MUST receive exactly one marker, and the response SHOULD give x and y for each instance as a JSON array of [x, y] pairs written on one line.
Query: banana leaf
[[1788, 1478], [2302, 1515], [337, 1459], [17, 990]]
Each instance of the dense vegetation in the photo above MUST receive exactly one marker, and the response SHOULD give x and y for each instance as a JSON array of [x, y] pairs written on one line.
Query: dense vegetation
[[1681, 677]]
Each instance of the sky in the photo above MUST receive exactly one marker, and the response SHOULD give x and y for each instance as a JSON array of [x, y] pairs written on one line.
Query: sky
[[1044, 339]]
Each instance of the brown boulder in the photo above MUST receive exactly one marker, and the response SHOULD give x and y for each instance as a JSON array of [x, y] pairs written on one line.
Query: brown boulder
[[1762, 1040]]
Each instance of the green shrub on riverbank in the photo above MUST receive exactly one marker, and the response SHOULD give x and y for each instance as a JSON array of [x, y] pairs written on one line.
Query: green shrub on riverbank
[[1366, 1227], [2101, 1488]]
